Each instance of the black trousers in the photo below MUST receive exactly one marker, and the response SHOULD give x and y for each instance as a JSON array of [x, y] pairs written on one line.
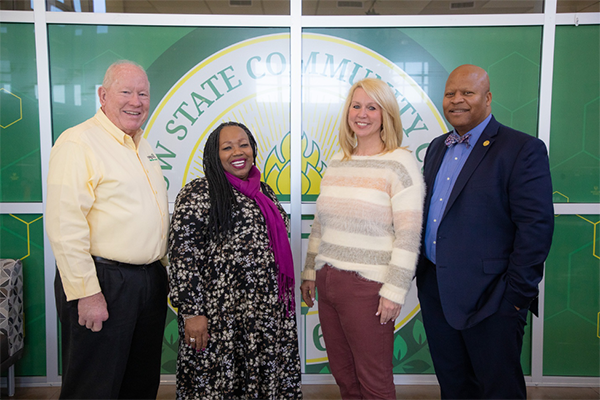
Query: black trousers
[[123, 360], [481, 362]]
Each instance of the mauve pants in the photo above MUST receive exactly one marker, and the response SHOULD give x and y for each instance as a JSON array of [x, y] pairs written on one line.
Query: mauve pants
[[359, 348]]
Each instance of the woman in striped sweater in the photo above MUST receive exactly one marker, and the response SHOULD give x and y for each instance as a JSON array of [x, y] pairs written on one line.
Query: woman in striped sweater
[[364, 242]]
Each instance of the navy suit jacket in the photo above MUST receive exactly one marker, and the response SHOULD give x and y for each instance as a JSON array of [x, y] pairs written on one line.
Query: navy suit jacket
[[496, 230]]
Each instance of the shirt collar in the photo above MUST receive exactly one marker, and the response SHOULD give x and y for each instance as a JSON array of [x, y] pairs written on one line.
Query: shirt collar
[[117, 133], [478, 130]]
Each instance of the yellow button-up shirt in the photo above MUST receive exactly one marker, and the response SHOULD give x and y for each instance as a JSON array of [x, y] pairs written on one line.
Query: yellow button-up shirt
[[106, 197]]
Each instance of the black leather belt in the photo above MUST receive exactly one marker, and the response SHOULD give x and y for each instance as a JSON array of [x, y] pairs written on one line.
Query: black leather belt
[[106, 261]]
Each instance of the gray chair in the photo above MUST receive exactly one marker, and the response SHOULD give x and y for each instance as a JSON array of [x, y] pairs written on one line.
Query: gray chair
[[11, 318]]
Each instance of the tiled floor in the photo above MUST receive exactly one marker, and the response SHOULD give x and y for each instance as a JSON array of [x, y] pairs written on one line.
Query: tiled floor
[[330, 392]]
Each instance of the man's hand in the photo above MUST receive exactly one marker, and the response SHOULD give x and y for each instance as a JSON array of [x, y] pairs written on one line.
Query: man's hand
[[308, 292], [387, 310], [92, 311]]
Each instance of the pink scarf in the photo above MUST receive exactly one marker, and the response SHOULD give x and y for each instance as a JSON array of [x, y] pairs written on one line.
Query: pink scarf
[[278, 235]]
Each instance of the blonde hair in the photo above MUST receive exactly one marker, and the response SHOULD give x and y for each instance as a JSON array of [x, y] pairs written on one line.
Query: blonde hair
[[391, 132]]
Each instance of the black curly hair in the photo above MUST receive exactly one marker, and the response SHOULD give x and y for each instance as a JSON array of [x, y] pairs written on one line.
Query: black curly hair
[[222, 199]]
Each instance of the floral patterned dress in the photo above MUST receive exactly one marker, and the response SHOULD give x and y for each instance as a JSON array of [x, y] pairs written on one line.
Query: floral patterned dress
[[253, 347]]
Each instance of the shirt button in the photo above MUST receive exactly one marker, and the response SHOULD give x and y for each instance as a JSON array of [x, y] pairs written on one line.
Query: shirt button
[[448, 178], [441, 199], [434, 242], [435, 220], [456, 158]]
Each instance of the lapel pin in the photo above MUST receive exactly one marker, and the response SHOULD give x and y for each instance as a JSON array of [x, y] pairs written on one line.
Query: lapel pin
[[486, 143]]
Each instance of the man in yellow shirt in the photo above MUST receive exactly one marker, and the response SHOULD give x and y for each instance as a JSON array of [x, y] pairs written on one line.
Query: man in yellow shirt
[[107, 220]]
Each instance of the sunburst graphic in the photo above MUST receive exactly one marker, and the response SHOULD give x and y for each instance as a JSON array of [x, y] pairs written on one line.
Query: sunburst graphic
[[320, 138], [265, 113]]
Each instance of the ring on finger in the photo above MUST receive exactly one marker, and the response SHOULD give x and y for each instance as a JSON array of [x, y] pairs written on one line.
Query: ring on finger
[[192, 340]]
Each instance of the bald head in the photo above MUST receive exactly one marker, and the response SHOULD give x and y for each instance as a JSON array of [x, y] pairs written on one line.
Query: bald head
[[472, 73], [467, 98]]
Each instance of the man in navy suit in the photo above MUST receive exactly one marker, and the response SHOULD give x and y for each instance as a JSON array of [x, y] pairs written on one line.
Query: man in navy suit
[[487, 231]]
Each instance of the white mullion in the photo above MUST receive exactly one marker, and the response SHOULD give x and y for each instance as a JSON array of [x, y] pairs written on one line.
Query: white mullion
[[544, 122], [576, 208], [43, 82], [21, 208], [16, 16], [571, 381], [309, 208], [578, 19], [296, 155], [331, 21], [168, 19], [547, 71], [382, 21]]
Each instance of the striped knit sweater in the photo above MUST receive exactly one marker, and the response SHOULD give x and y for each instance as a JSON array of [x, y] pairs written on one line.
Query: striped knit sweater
[[368, 220]]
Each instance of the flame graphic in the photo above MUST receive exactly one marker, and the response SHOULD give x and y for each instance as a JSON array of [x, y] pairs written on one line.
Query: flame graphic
[[277, 167]]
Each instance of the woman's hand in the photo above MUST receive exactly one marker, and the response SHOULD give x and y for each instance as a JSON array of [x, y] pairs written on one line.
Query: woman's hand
[[308, 292], [388, 310], [196, 332]]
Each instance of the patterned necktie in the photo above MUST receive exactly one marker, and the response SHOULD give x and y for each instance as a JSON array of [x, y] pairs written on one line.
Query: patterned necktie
[[454, 138]]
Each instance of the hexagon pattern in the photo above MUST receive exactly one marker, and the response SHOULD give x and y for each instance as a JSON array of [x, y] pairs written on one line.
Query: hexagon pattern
[[571, 330], [12, 108], [574, 138], [515, 107]]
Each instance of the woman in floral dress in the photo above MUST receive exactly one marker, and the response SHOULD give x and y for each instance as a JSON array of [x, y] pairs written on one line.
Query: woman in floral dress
[[232, 279]]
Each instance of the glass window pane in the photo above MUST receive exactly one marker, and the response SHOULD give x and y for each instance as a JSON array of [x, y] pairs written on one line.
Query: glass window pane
[[16, 5], [415, 62], [420, 7], [227, 7], [23, 237], [239, 74], [577, 6], [572, 283], [20, 175], [574, 139]]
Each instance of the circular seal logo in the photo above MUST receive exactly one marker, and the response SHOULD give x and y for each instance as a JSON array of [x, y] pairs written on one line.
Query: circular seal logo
[[249, 82]]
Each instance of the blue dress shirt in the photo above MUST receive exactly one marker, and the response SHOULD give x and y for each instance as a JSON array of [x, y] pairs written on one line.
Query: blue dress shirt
[[452, 164]]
